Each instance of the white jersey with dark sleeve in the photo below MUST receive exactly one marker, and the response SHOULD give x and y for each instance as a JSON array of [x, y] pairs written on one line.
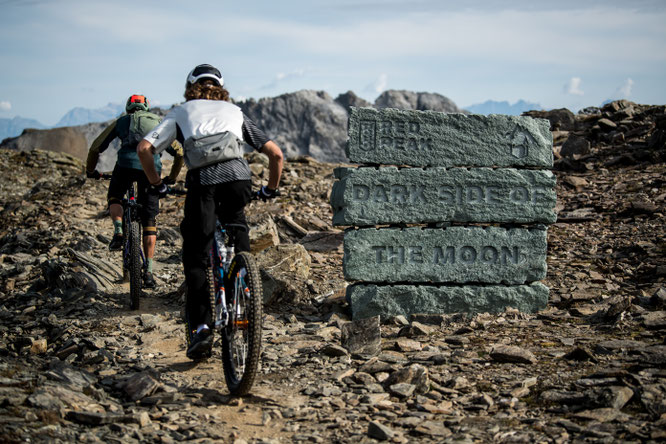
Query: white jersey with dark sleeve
[[200, 118]]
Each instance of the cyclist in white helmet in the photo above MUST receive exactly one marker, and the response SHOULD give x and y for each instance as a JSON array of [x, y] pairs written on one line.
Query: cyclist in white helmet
[[218, 182]]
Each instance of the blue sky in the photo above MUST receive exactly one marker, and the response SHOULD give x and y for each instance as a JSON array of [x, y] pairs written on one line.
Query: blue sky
[[59, 54]]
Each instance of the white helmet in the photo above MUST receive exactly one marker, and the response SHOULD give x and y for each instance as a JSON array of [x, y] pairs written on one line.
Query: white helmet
[[204, 72]]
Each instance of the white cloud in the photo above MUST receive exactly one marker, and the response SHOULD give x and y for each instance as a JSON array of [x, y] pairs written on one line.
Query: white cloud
[[5, 106], [497, 36], [381, 83], [282, 77], [573, 87], [624, 91], [378, 86]]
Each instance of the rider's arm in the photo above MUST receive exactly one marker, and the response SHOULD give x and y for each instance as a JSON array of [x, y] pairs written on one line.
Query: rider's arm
[[176, 150], [146, 151], [275, 160], [260, 141], [156, 141], [99, 145]]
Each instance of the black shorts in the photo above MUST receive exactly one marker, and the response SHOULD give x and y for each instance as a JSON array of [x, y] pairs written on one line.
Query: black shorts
[[120, 182]]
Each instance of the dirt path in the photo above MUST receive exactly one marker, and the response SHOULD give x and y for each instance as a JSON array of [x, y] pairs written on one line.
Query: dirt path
[[156, 334]]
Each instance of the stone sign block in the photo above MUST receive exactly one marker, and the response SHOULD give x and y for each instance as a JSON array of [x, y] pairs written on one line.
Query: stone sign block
[[369, 300], [427, 138], [369, 196], [454, 254]]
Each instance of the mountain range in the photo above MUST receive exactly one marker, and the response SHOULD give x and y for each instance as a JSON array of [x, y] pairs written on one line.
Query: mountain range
[[503, 107], [81, 116], [305, 122], [74, 117], [15, 126]]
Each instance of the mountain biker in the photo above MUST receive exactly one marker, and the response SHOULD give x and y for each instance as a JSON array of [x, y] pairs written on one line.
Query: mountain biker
[[218, 182], [130, 128]]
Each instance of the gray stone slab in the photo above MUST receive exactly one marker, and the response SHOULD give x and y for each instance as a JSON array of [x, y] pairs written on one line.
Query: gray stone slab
[[369, 300], [428, 138], [436, 255], [386, 195]]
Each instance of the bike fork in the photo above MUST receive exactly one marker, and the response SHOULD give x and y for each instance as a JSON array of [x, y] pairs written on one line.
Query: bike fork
[[221, 313]]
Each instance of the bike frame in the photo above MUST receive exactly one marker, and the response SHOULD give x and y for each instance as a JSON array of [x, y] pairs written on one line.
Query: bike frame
[[224, 250], [130, 213]]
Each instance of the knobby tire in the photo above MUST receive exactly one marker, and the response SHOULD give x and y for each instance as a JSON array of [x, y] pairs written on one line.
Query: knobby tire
[[241, 339], [134, 239], [214, 284]]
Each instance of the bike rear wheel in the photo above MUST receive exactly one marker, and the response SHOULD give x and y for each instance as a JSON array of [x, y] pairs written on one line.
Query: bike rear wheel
[[134, 263], [215, 279], [241, 338]]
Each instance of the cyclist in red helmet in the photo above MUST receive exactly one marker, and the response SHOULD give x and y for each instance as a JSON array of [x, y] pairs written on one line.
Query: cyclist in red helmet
[[130, 129], [212, 131]]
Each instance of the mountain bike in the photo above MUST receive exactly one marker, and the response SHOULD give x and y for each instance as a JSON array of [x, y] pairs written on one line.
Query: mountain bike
[[133, 259], [237, 308]]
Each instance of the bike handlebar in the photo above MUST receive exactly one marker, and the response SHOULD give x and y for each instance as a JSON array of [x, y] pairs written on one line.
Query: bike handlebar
[[255, 194], [179, 192], [176, 191]]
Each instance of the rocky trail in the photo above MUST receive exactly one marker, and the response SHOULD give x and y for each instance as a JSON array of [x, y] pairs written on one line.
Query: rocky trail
[[76, 365]]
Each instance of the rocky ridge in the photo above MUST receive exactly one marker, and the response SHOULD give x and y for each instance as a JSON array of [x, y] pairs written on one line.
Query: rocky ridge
[[303, 123], [76, 365]]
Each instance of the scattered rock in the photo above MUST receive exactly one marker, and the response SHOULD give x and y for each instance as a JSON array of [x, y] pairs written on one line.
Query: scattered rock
[[402, 390], [621, 396], [263, 234], [654, 320], [580, 354], [333, 350], [284, 268], [140, 385], [362, 337], [379, 431], [575, 146], [511, 353]]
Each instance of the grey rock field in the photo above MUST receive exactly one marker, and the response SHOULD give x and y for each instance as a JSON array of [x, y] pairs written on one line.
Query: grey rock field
[[76, 365]]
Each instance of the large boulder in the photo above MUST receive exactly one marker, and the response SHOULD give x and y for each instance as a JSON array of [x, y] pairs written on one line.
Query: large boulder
[[63, 140], [285, 270], [560, 119], [575, 145], [303, 123], [420, 101], [350, 99]]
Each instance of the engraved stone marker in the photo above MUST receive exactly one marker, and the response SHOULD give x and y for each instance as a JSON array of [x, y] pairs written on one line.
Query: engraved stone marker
[[391, 300], [369, 196], [427, 138], [453, 254], [461, 176]]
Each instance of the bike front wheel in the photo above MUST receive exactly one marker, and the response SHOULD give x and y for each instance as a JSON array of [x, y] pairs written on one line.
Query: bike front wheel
[[241, 338], [134, 263]]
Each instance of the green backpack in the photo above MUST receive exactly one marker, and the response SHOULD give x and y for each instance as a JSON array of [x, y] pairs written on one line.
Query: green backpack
[[141, 122]]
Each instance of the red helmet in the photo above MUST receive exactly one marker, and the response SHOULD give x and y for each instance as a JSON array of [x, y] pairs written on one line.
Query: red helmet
[[137, 101]]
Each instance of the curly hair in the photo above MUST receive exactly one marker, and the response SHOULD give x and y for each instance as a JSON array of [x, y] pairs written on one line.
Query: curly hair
[[206, 89]]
